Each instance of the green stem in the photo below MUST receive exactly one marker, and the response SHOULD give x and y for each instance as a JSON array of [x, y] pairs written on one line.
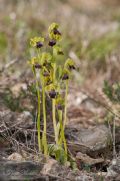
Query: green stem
[[45, 123], [38, 114], [60, 115], [65, 120], [65, 108], [38, 119], [54, 109], [62, 135], [54, 121]]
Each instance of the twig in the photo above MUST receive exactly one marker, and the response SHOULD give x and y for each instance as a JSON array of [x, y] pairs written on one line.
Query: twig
[[9, 65]]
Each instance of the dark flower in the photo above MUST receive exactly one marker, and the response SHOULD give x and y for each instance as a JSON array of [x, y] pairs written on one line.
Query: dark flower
[[45, 63], [59, 107], [52, 94], [60, 53], [46, 74], [39, 44], [56, 32], [52, 43], [71, 67], [37, 66], [65, 77]]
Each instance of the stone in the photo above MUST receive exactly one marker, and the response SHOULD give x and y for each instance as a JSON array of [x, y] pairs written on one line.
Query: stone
[[91, 141], [87, 160], [16, 157], [15, 170], [114, 168]]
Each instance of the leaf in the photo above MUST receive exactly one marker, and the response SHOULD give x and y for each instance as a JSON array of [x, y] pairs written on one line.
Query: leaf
[[58, 152]]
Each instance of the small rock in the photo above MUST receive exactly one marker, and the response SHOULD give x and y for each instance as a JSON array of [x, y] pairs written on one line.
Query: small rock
[[20, 170], [16, 89], [49, 166], [89, 141], [114, 169], [24, 119], [16, 157], [87, 160]]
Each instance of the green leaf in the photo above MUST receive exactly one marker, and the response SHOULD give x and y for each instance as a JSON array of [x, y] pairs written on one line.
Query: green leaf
[[58, 152]]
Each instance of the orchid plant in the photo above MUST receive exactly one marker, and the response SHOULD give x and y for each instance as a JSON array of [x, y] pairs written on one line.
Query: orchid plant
[[53, 79]]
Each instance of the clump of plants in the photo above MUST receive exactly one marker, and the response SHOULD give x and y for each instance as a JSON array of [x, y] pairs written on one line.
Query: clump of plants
[[51, 79]]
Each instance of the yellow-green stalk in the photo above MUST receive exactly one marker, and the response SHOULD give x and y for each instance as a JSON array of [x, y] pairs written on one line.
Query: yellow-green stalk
[[44, 119], [65, 107], [38, 110], [54, 108]]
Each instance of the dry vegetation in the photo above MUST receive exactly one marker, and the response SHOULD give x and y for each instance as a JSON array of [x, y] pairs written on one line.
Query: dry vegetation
[[91, 34]]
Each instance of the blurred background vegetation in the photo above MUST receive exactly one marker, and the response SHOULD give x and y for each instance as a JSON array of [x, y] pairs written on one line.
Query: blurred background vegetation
[[91, 34]]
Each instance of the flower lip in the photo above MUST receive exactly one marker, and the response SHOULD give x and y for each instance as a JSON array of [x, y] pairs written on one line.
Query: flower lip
[[45, 63], [39, 44], [53, 94], [56, 32], [65, 77], [46, 74], [52, 43], [60, 53], [72, 67], [37, 66]]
